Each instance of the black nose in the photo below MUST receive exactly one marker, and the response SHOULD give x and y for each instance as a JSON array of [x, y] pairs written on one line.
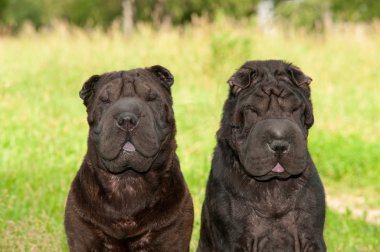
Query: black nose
[[127, 121], [279, 146], [273, 89]]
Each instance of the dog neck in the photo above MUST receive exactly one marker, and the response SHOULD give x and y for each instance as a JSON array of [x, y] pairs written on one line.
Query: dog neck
[[272, 198], [129, 196], [129, 185]]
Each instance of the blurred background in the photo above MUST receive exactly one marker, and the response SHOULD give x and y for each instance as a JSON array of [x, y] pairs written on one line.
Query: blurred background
[[312, 15], [49, 48]]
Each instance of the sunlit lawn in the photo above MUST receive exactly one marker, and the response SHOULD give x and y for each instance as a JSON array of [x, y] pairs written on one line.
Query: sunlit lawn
[[43, 130]]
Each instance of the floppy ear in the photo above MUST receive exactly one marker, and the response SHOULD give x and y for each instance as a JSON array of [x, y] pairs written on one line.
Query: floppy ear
[[166, 78], [88, 89], [299, 78], [240, 80]]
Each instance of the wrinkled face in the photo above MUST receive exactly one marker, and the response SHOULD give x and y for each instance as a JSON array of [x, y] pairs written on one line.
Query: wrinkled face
[[130, 117], [270, 118]]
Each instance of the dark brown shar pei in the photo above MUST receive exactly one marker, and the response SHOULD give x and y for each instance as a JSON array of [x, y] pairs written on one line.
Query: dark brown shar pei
[[264, 193], [129, 193]]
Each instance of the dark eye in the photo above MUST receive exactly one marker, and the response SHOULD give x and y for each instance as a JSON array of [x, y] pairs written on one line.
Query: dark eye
[[151, 96], [295, 109], [248, 115], [249, 108], [298, 107], [234, 126], [104, 99]]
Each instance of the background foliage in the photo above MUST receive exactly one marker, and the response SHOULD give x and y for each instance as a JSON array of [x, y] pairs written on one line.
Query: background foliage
[[90, 13]]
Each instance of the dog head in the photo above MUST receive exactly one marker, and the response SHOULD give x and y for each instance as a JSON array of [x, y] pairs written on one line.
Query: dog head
[[130, 117], [267, 117]]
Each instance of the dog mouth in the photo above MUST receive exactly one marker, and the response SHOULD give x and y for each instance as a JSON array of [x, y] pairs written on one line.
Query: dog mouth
[[130, 158], [282, 170], [129, 147], [278, 168], [278, 172], [127, 159]]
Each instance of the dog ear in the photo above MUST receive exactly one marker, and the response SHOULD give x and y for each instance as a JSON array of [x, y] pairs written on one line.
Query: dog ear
[[299, 78], [88, 89], [240, 80], [166, 78]]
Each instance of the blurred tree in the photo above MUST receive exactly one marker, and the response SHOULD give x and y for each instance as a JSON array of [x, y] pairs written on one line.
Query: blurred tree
[[306, 13], [92, 13], [158, 12], [128, 16], [3, 6], [316, 14], [303, 13], [14, 13], [356, 10], [265, 9], [17, 12]]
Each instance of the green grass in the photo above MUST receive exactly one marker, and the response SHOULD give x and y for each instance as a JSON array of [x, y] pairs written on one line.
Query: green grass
[[345, 234], [43, 129]]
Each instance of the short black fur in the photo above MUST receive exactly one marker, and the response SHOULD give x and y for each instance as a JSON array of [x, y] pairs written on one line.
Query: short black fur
[[264, 192], [129, 193]]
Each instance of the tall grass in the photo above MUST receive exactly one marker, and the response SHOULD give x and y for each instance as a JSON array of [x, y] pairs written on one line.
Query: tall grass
[[43, 129]]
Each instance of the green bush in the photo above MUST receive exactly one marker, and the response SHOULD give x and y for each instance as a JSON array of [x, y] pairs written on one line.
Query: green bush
[[91, 13], [307, 14], [304, 13], [14, 13], [356, 10]]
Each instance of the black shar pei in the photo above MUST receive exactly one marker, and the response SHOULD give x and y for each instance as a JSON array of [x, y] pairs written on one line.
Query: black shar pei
[[264, 192], [129, 193]]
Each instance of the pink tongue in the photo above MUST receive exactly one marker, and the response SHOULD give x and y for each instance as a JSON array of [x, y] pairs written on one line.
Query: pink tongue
[[278, 168], [129, 147]]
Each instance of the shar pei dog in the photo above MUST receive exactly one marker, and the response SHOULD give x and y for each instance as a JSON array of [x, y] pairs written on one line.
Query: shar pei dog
[[129, 193], [263, 192]]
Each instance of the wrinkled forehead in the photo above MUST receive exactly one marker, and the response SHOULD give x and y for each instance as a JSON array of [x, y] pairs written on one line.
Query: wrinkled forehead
[[268, 66], [138, 82], [271, 92], [272, 89], [269, 78]]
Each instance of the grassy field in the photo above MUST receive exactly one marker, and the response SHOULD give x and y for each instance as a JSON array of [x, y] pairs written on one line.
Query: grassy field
[[43, 129]]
